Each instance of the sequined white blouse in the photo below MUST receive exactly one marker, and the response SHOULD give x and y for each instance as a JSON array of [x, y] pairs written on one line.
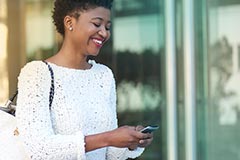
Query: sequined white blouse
[[84, 103]]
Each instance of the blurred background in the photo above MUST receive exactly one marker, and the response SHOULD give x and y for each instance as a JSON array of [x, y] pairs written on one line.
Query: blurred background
[[176, 64]]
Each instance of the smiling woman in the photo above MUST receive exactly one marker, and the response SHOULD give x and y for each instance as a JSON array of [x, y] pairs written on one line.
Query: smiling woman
[[78, 120], [90, 30]]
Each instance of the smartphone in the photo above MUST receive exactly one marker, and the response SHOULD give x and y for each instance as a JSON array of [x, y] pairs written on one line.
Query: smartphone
[[149, 129]]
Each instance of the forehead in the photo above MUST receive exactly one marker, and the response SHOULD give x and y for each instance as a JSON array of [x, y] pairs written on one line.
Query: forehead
[[96, 13]]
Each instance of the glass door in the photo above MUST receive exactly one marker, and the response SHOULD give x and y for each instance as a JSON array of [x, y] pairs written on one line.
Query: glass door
[[223, 127], [139, 66]]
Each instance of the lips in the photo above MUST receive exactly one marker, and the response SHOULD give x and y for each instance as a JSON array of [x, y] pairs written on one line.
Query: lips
[[98, 42]]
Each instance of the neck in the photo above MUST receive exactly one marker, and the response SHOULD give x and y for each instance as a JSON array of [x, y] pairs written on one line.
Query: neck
[[70, 59], [73, 60]]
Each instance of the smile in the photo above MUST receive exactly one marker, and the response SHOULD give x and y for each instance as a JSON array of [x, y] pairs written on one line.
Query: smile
[[98, 42]]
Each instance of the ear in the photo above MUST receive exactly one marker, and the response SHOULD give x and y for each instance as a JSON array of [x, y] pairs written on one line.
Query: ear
[[68, 22]]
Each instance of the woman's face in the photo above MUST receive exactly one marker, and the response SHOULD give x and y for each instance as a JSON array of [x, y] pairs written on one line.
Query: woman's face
[[90, 31]]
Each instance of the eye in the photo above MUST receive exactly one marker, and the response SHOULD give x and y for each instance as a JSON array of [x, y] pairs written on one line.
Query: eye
[[108, 28], [96, 24]]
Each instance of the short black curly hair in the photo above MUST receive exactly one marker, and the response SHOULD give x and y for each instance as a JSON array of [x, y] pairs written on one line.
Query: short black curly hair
[[63, 8]]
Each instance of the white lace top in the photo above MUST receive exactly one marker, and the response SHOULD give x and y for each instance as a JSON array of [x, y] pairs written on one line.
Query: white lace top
[[84, 103]]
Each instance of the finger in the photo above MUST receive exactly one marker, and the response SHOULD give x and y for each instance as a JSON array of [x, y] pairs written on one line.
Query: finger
[[132, 128], [147, 140], [145, 143], [146, 136], [139, 127], [149, 135], [142, 141], [132, 147]]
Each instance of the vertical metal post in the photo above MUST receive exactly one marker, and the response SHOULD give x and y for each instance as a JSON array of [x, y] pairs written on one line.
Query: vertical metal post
[[171, 80], [189, 79]]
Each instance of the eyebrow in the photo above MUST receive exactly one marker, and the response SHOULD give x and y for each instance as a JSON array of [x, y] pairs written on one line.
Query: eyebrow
[[99, 18]]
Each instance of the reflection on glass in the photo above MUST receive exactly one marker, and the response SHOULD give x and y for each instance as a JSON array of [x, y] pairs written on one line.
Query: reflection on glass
[[39, 29], [138, 46], [136, 33], [224, 114]]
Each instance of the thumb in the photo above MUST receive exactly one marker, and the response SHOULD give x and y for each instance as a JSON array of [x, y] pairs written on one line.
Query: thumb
[[139, 127]]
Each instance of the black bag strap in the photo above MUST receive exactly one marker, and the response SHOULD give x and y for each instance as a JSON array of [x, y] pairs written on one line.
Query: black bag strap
[[52, 88], [10, 108]]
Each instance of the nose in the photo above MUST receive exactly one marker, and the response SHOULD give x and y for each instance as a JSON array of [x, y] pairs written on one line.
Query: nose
[[103, 32]]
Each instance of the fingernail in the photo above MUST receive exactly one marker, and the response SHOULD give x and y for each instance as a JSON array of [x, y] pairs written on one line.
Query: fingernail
[[141, 141]]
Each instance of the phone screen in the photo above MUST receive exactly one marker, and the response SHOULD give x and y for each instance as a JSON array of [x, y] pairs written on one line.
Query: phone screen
[[149, 129]]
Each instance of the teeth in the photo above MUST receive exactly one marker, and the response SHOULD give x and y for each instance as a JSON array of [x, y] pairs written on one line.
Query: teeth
[[97, 41]]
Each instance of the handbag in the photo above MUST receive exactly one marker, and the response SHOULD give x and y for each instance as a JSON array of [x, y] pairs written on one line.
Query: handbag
[[11, 146]]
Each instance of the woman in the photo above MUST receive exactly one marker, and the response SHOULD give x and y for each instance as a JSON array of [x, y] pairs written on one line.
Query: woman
[[81, 122]]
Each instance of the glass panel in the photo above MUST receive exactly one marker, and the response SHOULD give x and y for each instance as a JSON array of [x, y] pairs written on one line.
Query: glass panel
[[200, 48], [201, 61], [224, 111], [138, 41], [180, 80], [38, 25]]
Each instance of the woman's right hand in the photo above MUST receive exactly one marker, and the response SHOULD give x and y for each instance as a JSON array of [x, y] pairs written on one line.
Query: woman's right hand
[[122, 137], [126, 136]]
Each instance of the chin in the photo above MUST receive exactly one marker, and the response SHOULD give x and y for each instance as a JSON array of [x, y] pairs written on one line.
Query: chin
[[93, 53]]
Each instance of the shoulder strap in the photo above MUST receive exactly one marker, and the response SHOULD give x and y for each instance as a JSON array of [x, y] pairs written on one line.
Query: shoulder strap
[[51, 93], [10, 108]]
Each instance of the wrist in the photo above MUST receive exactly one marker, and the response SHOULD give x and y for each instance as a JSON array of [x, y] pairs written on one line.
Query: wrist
[[96, 141], [108, 140]]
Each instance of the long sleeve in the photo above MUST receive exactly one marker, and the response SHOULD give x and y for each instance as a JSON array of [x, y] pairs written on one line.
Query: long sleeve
[[34, 118], [114, 153]]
